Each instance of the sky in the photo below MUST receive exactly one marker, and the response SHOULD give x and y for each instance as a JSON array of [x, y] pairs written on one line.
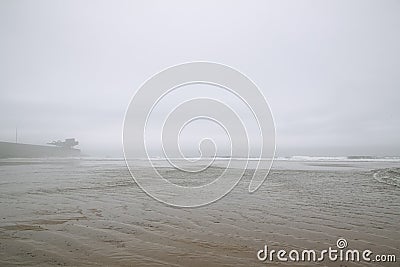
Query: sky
[[330, 70]]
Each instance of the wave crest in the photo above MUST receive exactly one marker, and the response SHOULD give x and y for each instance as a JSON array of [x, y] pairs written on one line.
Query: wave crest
[[389, 176]]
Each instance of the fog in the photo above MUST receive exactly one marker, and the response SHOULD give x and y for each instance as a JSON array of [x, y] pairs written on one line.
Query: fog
[[329, 69]]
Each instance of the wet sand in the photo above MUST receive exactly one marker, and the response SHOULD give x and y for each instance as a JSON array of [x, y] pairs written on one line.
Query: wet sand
[[91, 213]]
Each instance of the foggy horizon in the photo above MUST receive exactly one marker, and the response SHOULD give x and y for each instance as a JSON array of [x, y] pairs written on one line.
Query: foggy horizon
[[329, 70]]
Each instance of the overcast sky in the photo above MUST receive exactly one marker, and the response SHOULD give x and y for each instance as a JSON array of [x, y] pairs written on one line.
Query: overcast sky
[[330, 70]]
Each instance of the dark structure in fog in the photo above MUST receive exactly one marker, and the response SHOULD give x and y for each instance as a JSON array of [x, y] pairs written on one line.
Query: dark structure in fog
[[58, 149]]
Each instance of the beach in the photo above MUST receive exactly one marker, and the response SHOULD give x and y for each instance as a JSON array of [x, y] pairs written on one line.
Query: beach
[[90, 212]]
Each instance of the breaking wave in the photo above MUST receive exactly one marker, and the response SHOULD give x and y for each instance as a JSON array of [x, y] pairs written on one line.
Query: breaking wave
[[389, 176], [343, 158]]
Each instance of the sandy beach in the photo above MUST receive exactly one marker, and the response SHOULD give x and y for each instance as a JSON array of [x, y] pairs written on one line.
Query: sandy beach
[[90, 212]]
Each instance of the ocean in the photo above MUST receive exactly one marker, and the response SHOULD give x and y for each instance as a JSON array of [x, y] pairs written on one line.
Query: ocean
[[90, 212]]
